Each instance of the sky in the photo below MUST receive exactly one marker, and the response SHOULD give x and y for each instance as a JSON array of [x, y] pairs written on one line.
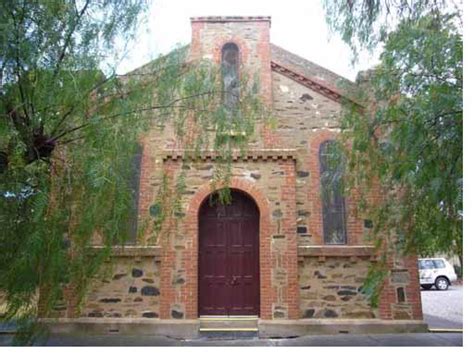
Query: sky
[[298, 26]]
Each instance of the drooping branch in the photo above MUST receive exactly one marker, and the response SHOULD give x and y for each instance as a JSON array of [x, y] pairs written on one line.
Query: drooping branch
[[67, 41], [170, 105], [164, 106]]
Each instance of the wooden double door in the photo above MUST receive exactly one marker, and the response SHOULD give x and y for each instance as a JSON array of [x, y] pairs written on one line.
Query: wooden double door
[[229, 257]]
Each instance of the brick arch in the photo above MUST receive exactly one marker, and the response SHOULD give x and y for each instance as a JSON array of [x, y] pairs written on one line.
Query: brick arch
[[241, 45], [235, 183], [354, 226], [192, 231]]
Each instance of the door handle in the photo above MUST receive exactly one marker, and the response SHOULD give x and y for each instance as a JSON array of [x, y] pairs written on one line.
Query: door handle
[[234, 279]]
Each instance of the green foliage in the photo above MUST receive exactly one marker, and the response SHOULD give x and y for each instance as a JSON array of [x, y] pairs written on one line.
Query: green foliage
[[373, 284], [366, 24], [68, 133], [58, 182], [408, 139]]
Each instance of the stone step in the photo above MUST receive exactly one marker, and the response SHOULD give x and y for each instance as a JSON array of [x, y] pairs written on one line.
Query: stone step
[[228, 335], [229, 324]]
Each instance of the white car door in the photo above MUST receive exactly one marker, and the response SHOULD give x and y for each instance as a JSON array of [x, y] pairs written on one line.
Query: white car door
[[426, 271]]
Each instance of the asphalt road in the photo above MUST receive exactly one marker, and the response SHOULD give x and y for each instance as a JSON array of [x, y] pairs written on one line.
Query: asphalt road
[[410, 339], [443, 309]]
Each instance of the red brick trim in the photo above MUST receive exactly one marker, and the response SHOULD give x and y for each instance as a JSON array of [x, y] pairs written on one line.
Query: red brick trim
[[289, 258], [212, 155], [313, 84], [167, 263], [388, 296], [147, 167], [412, 290], [190, 289], [241, 45], [196, 28]]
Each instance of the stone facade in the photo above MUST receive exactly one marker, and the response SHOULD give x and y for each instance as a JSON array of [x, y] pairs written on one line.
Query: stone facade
[[126, 288], [332, 288], [300, 277]]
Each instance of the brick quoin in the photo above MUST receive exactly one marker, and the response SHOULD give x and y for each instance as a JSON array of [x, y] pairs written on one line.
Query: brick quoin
[[388, 296], [147, 167], [289, 259], [168, 261]]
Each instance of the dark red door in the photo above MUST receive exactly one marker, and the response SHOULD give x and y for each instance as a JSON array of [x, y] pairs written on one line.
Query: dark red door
[[228, 257]]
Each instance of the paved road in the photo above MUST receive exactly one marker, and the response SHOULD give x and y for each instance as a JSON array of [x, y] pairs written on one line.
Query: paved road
[[443, 309], [412, 339]]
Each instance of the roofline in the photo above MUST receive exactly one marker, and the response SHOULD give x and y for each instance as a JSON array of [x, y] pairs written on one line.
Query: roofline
[[313, 84], [319, 86], [310, 62]]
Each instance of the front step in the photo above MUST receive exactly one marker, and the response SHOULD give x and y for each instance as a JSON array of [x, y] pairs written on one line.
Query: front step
[[247, 324], [230, 335]]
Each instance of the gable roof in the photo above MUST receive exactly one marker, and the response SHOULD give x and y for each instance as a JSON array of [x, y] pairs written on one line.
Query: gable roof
[[311, 75], [299, 69]]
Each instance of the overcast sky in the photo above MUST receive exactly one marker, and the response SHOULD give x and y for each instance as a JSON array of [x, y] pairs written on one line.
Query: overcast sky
[[298, 26]]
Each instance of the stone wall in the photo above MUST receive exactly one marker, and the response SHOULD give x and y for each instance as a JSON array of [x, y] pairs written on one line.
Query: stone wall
[[305, 119], [301, 111], [127, 287], [331, 288]]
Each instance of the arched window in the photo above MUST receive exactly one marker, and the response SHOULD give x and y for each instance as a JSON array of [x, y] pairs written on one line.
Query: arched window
[[331, 163], [230, 75]]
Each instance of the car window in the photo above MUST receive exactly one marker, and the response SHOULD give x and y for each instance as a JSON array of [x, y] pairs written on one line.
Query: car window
[[439, 264], [425, 264]]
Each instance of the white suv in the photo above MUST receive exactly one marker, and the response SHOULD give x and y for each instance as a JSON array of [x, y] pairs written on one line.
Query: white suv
[[436, 271]]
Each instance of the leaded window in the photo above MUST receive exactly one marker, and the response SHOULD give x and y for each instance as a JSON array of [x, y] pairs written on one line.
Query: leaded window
[[131, 172], [331, 162], [230, 75]]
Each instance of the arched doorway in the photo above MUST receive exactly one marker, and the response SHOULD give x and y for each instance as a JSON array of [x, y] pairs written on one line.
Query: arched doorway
[[229, 280]]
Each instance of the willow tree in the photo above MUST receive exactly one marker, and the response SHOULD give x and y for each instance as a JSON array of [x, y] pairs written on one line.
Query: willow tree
[[409, 137], [69, 129]]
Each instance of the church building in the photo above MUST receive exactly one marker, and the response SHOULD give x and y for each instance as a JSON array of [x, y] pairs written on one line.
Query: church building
[[280, 259]]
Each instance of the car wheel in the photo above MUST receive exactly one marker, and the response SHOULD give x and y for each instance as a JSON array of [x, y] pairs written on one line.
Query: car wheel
[[442, 283], [426, 287]]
